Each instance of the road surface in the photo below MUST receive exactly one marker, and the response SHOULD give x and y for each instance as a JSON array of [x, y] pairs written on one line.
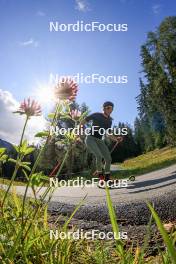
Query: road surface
[[158, 187]]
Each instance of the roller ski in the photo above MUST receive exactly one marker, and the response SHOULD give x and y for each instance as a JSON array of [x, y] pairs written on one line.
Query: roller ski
[[104, 181], [132, 178]]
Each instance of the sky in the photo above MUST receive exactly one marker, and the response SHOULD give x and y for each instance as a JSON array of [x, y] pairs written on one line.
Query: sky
[[30, 53]]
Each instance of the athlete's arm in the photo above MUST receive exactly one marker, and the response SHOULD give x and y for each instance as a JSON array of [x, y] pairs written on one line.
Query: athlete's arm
[[116, 138], [86, 120]]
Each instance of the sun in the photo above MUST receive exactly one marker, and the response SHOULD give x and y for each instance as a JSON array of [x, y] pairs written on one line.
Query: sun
[[44, 93]]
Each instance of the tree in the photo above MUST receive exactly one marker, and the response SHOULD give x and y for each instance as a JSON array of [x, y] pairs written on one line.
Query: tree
[[125, 149], [156, 102]]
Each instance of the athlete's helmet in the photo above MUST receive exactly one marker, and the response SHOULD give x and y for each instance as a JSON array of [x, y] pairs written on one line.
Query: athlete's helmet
[[108, 103]]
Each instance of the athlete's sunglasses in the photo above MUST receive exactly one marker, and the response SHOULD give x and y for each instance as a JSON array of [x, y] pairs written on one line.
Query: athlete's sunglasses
[[108, 107]]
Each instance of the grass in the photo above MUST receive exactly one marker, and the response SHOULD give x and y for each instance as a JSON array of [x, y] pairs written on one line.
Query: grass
[[16, 182], [24, 226], [167, 257], [151, 161], [37, 247]]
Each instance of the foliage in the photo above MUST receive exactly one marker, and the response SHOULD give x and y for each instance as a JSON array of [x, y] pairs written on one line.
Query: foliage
[[148, 162], [156, 101], [25, 229]]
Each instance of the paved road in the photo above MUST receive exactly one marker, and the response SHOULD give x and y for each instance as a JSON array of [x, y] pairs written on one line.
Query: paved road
[[149, 185], [156, 186]]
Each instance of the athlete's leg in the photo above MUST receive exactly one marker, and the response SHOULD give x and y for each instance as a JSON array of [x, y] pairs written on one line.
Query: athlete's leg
[[92, 146], [106, 155]]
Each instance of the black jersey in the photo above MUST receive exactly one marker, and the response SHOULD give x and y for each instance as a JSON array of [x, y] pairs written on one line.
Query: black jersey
[[99, 120]]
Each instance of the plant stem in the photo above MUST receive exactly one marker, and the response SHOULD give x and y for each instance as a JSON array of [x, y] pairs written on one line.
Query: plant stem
[[24, 128], [33, 170], [45, 194], [16, 165], [44, 146], [63, 162]]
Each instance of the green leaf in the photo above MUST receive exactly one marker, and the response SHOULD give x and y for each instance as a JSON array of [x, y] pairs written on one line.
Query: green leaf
[[29, 150], [42, 134], [83, 116], [168, 242], [26, 167], [3, 156], [67, 107], [65, 116], [12, 160], [59, 108], [2, 150], [16, 148], [16, 200], [113, 219], [74, 212], [24, 146], [37, 179], [51, 115], [45, 218], [26, 163], [111, 212]]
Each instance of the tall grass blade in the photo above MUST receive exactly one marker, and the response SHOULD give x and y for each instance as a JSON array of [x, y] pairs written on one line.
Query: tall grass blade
[[168, 242]]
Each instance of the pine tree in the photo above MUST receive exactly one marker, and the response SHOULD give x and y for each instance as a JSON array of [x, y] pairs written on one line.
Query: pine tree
[[158, 86]]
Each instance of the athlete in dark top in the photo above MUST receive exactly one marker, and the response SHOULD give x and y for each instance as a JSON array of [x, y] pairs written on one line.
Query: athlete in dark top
[[100, 120], [95, 144]]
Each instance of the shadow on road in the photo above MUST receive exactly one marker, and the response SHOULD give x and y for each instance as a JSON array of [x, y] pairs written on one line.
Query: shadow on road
[[148, 183]]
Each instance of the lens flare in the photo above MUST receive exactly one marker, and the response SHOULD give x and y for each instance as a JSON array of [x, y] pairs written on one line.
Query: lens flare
[[44, 94]]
